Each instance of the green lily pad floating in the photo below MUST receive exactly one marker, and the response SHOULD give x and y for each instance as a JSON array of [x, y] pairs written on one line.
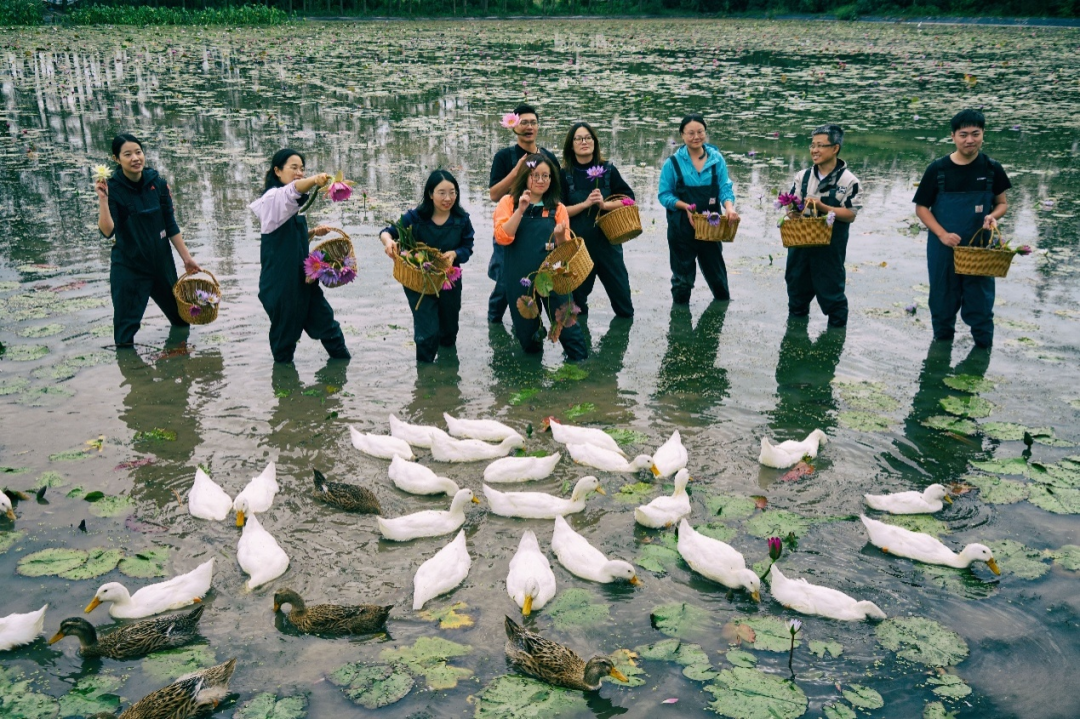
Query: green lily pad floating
[[730, 507], [867, 396], [681, 620], [936, 710], [960, 582], [1012, 432], [91, 695], [658, 557], [19, 702], [514, 697], [268, 706], [1011, 465], [925, 523], [1017, 560], [39, 331], [742, 693], [693, 659], [770, 633], [8, 539], [969, 383], [863, 697], [949, 686], [1068, 557], [146, 564], [568, 373], [1065, 473], [995, 490], [948, 423], [25, 353], [428, 657], [98, 561], [7, 286], [519, 398], [51, 562], [922, 641], [50, 479], [157, 434], [111, 506], [820, 649], [716, 530], [14, 470], [449, 618], [71, 455], [973, 407], [636, 493], [372, 685], [45, 396], [839, 710], [778, 523], [13, 385], [1055, 499], [627, 436], [168, 665], [575, 608], [580, 410], [624, 662], [864, 421], [739, 658]]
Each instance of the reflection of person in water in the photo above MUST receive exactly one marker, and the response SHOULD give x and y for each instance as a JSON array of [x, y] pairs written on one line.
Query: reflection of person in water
[[301, 416], [437, 390], [804, 374], [604, 366], [689, 377]]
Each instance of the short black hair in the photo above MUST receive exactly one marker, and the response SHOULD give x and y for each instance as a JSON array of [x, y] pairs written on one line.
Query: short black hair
[[692, 117], [526, 109], [835, 133], [122, 139], [278, 161], [426, 208], [968, 118]]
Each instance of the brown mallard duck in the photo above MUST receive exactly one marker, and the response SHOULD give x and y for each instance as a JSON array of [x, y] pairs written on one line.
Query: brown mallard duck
[[553, 663], [332, 618], [186, 696], [349, 497], [131, 641]]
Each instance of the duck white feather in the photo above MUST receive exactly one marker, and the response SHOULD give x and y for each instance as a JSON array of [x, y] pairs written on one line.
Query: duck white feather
[[19, 629], [924, 548], [789, 453], [5, 507], [417, 435], [415, 478], [530, 582], [929, 500], [430, 522], [586, 561], [380, 445], [717, 561], [670, 458], [260, 555], [806, 598], [207, 500], [571, 434], [666, 511], [538, 505], [443, 572], [258, 495], [448, 449], [599, 458], [520, 469], [486, 429], [180, 591]]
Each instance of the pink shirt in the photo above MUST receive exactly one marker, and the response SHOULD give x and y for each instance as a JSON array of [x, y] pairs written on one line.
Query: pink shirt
[[276, 206]]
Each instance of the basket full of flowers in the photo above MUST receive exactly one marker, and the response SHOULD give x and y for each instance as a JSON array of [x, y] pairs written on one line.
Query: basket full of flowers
[[799, 230], [197, 297], [987, 255], [422, 268], [713, 226], [332, 260]]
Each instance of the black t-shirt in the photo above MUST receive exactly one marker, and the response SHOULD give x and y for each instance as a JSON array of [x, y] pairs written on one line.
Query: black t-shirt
[[507, 158], [960, 178]]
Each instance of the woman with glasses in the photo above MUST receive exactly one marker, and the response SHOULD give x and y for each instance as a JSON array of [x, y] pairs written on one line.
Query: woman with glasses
[[529, 222], [438, 221], [584, 196], [695, 179]]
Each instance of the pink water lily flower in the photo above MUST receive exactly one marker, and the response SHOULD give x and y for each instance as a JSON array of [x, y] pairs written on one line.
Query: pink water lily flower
[[314, 265], [339, 192], [510, 120], [595, 172], [627, 201], [1023, 250]]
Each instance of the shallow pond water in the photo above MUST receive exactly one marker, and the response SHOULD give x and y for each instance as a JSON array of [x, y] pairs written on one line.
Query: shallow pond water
[[387, 103]]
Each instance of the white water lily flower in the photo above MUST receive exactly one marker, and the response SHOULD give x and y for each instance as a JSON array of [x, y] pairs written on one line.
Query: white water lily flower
[[102, 172]]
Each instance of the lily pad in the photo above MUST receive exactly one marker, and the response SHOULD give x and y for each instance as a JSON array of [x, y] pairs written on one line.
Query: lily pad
[[71, 455], [636, 493], [112, 506], [778, 523], [864, 421], [867, 396], [166, 666], [19, 702], [50, 479], [146, 564], [742, 693], [1068, 557], [948, 423], [863, 697], [716, 530], [13, 385], [1019, 561], [157, 434], [372, 685], [627, 436], [1011, 465], [692, 657], [974, 407], [922, 641], [99, 561], [8, 539], [514, 697], [658, 556], [681, 620], [949, 686], [1065, 473], [268, 706], [730, 507], [575, 608], [39, 331], [839, 710], [770, 633], [568, 373], [91, 695], [25, 353], [819, 648], [739, 658], [580, 410], [969, 383], [523, 396], [960, 582], [51, 562], [624, 662], [428, 657], [924, 523], [936, 710], [995, 490], [449, 618], [1055, 499]]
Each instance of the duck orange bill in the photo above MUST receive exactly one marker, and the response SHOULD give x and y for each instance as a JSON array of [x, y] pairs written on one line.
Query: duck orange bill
[[92, 605], [600, 490], [10, 514], [57, 637], [654, 470], [475, 500], [277, 607], [948, 499], [618, 675], [992, 563], [239, 518], [756, 596], [635, 581], [526, 608]]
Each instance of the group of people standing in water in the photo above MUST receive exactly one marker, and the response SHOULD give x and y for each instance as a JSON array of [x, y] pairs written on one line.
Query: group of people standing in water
[[539, 202]]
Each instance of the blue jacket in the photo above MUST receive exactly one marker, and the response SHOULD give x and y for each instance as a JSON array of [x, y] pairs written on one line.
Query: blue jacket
[[692, 177]]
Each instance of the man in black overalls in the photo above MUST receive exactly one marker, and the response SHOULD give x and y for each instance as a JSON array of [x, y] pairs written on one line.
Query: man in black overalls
[[504, 168], [959, 194]]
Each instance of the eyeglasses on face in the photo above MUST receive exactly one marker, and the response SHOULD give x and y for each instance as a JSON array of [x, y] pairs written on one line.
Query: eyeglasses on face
[[583, 139], [820, 145], [540, 178], [695, 133], [528, 123], [445, 194]]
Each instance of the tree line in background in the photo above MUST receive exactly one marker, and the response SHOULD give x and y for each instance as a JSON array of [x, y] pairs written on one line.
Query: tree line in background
[[273, 12]]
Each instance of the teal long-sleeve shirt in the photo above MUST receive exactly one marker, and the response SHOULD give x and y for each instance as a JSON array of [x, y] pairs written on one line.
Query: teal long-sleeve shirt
[[693, 178]]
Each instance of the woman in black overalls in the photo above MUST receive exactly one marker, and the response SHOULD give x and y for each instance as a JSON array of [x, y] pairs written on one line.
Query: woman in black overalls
[[438, 221], [529, 222], [135, 206], [584, 198], [294, 306]]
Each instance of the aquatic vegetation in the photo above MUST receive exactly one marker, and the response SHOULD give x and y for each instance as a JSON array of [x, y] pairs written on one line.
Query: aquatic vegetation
[[428, 658], [267, 706], [91, 695], [449, 617], [742, 693], [949, 686], [819, 648], [730, 507], [659, 555], [1017, 560], [973, 407], [693, 659], [922, 641], [864, 421], [949, 423], [19, 701], [626, 436], [769, 634], [862, 697], [146, 564], [373, 685], [514, 697], [69, 563], [624, 662], [172, 663], [681, 620], [969, 383], [573, 608], [778, 523], [523, 396]]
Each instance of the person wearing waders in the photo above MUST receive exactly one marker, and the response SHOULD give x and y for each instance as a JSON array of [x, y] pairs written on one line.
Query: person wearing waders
[[584, 196], [960, 194], [831, 188], [440, 222], [294, 305], [530, 222], [505, 166], [135, 208], [695, 179]]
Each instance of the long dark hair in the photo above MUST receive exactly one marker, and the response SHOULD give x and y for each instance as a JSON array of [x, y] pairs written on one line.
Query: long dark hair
[[277, 162], [122, 139], [426, 208], [568, 145], [554, 191]]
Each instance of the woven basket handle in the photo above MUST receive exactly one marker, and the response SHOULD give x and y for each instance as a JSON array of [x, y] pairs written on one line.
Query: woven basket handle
[[188, 275], [573, 237], [992, 235], [341, 232], [606, 199]]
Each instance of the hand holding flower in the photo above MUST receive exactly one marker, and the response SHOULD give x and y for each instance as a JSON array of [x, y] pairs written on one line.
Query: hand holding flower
[[101, 187], [595, 198]]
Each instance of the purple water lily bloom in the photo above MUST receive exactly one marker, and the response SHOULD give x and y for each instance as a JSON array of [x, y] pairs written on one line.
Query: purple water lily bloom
[[526, 282], [595, 172], [776, 548]]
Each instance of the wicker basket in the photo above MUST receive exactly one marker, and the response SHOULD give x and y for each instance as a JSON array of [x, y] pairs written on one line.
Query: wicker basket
[[621, 224], [411, 276], [722, 232], [334, 249], [982, 259], [575, 256], [184, 292], [798, 230]]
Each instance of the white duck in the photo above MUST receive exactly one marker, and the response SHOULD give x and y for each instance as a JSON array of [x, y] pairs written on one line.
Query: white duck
[[380, 445], [806, 598], [19, 629], [430, 522], [537, 505], [153, 599], [486, 429], [586, 561], [417, 435], [924, 548], [6, 509], [928, 500], [530, 582], [571, 434], [592, 456], [670, 458], [789, 453], [207, 500], [258, 495], [443, 572], [666, 511], [260, 555], [415, 478], [448, 449], [520, 469], [717, 561]]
